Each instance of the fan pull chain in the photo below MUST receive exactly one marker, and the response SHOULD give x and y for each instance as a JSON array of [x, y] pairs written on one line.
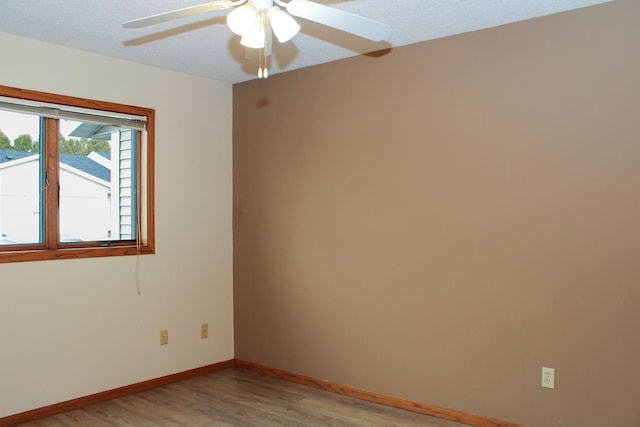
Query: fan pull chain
[[260, 63], [265, 70]]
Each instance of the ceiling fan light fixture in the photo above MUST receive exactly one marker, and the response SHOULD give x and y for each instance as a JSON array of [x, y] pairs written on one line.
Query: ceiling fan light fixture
[[282, 24], [242, 19], [256, 21], [255, 36]]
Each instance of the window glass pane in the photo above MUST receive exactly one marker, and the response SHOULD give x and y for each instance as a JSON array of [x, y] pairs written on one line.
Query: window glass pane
[[20, 177], [97, 182]]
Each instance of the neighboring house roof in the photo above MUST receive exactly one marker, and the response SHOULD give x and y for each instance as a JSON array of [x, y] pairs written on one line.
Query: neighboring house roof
[[93, 131], [82, 163], [10, 155]]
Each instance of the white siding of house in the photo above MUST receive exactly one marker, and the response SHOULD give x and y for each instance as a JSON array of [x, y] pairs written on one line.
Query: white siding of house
[[84, 206], [126, 185], [84, 209], [19, 200]]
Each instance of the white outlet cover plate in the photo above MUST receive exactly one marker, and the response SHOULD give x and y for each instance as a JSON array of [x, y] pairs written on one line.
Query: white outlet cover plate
[[548, 377]]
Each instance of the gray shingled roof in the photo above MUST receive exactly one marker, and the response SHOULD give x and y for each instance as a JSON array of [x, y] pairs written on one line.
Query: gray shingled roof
[[82, 163]]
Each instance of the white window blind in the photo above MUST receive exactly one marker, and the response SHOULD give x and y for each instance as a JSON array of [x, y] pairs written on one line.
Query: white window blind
[[65, 112]]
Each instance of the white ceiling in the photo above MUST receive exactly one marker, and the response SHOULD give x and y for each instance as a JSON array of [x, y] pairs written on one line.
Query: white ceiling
[[203, 45]]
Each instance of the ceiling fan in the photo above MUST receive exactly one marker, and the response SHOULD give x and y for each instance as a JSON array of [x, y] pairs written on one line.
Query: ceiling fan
[[256, 20]]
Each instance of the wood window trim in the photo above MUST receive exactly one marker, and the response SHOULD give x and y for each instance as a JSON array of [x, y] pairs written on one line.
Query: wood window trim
[[53, 250]]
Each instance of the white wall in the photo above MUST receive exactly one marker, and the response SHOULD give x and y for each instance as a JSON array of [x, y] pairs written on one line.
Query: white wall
[[77, 327]]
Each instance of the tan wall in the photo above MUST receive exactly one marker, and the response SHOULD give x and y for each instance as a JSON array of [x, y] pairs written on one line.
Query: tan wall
[[439, 223]]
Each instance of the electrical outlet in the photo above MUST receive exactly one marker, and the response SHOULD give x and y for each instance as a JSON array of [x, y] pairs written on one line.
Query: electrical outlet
[[204, 331], [548, 377], [164, 336]]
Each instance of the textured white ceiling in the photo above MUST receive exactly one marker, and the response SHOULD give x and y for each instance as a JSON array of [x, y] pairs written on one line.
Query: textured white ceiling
[[203, 45]]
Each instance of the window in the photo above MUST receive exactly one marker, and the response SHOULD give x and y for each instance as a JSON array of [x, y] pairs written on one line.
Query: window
[[76, 177]]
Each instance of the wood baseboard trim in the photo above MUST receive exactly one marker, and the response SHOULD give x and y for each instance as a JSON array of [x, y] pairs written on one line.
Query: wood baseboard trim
[[81, 402], [422, 408]]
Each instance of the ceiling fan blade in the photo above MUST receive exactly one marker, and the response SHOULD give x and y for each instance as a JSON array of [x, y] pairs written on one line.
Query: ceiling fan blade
[[339, 19], [180, 13]]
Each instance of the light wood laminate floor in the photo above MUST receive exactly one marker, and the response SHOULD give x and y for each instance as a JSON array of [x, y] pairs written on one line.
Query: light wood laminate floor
[[236, 397]]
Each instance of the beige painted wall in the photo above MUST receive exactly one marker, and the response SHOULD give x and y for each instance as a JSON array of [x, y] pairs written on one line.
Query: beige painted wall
[[439, 223], [73, 328]]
